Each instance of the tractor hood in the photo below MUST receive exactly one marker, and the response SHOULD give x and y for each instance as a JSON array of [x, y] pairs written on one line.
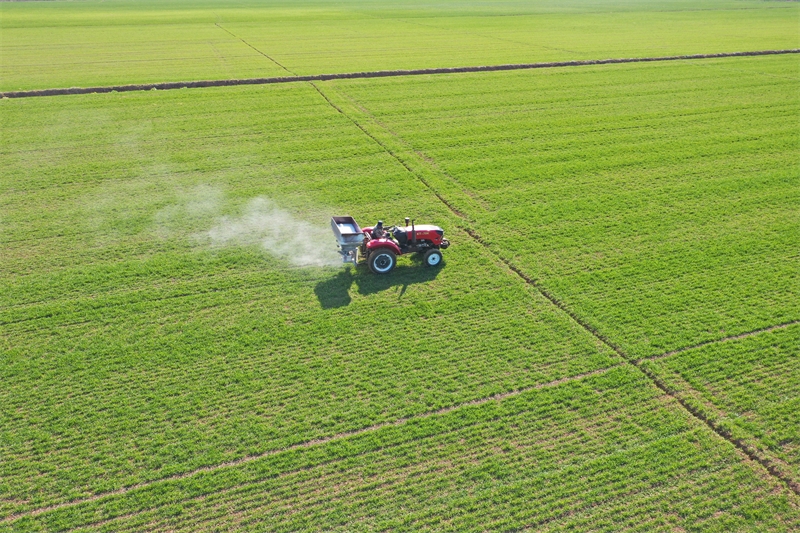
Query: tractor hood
[[423, 228]]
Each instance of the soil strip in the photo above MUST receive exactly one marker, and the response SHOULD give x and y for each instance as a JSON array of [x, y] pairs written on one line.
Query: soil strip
[[371, 74]]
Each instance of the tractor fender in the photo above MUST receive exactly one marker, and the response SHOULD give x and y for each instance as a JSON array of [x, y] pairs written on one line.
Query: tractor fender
[[374, 244]]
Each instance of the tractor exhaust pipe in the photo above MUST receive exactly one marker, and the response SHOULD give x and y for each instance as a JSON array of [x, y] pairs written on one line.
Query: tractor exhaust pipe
[[413, 233]]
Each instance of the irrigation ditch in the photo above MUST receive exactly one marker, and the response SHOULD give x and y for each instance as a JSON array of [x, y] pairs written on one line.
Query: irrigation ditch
[[163, 86]]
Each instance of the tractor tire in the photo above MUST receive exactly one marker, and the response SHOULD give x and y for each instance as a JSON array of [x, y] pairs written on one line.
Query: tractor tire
[[432, 258], [382, 261]]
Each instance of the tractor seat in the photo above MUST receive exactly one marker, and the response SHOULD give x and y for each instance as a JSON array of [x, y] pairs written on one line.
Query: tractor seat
[[400, 236]]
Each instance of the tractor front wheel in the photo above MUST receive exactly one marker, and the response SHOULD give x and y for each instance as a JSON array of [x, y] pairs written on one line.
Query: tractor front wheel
[[432, 258], [382, 261]]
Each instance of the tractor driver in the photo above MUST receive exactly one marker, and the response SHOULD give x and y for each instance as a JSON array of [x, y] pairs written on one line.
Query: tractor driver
[[378, 231]]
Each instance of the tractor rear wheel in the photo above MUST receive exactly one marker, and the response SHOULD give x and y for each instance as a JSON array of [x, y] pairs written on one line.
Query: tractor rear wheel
[[432, 258], [382, 261]]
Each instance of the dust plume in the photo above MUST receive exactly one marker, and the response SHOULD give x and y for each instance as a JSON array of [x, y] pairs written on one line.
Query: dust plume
[[278, 232], [195, 210]]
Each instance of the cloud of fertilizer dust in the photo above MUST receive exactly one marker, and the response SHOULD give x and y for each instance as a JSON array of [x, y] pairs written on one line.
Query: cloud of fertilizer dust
[[263, 223], [194, 210]]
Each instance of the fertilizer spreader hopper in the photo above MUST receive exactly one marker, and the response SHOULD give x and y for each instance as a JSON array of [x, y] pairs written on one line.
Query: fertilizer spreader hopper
[[381, 245]]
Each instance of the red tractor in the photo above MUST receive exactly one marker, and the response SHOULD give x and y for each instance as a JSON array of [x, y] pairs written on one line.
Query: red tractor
[[381, 245]]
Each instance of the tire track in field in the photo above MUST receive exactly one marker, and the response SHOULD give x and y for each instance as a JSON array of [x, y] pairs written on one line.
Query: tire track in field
[[309, 443], [217, 24], [429, 160], [370, 74], [745, 448], [391, 153], [724, 339]]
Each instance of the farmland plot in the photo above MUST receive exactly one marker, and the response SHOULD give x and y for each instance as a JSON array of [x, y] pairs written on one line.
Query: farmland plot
[[59, 44], [606, 452], [424, 41], [181, 351], [658, 202], [137, 347]]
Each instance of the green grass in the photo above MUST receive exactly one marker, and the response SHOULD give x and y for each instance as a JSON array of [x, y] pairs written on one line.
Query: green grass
[[42, 57], [139, 353], [60, 44], [459, 39]]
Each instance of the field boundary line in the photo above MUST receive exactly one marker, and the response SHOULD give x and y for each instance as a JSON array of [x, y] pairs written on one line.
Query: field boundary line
[[722, 340], [313, 442], [746, 449], [386, 149], [370, 74], [426, 161], [686, 392], [218, 25]]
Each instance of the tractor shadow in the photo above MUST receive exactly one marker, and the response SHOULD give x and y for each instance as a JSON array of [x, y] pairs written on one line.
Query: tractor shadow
[[335, 292]]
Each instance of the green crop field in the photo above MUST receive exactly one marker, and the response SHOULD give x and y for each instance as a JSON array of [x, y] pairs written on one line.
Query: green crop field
[[612, 343], [65, 44]]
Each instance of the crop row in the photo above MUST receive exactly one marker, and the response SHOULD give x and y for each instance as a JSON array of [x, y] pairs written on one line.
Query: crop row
[[573, 452], [135, 350]]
